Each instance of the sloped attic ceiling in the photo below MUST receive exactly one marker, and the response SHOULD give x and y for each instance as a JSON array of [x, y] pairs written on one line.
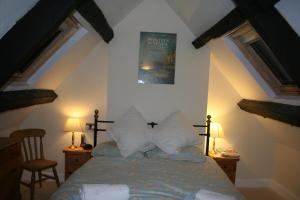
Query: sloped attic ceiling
[[197, 19], [116, 10], [8, 18], [198, 15], [232, 62], [30, 35]]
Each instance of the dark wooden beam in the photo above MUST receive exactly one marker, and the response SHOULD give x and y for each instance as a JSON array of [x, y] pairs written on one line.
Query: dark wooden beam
[[91, 12], [234, 19], [282, 112], [275, 31], [263, 5], [31, 33], [23, 98]]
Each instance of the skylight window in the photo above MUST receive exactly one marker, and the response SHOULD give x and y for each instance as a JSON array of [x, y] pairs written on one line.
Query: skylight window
[[264, 61], [64, 32]]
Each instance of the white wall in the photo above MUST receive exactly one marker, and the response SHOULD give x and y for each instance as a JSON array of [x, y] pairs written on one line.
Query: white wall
[[264, 144], [54, 72], [107, 79], [110, 71], [84, 90], [241, 130], [286, 171], [189, 93], [10, 120]]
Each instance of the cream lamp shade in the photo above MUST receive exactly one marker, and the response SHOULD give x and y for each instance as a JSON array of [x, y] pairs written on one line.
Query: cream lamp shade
[[73, 125], [216, 131]]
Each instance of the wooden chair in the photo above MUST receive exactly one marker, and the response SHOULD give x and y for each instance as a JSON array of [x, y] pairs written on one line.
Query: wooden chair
[[33, 157]]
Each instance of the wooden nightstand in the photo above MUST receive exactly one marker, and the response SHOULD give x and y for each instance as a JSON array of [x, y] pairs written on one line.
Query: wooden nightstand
[[75, 158], [227, 164]]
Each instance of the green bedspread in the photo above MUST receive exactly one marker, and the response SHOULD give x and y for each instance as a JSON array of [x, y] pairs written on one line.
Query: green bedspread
[[150, 178]]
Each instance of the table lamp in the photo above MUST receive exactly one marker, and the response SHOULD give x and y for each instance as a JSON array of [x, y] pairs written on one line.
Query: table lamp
[[73, 125], [216, 131]]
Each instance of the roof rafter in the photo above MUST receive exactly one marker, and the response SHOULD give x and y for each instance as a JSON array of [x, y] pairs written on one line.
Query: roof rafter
[[282, 112], [269, 24], [10, 100], [32, 32]]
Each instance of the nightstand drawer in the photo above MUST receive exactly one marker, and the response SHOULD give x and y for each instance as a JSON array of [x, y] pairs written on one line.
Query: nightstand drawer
[[74, 159], [77, 159]]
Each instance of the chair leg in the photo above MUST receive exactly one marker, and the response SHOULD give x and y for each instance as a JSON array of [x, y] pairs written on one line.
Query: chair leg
[[20, 180], [40, 178], [21, 174], [32, 185], [56, 177]]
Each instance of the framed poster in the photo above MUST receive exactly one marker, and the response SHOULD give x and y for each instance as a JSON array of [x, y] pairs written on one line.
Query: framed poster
[[157, 58]]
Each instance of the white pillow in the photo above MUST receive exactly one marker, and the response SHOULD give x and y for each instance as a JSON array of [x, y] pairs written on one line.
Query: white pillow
[[173, 133], [130, 132]]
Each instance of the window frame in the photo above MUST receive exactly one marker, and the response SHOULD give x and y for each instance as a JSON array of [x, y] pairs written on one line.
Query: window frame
[[246, 31], [66, 30]]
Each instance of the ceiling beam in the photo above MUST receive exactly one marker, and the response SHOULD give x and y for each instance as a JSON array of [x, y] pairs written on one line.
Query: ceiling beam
[[275, 31], [281, 112], [92, 13], [225, 25], [10, 100], [280, 37], [31, 34]]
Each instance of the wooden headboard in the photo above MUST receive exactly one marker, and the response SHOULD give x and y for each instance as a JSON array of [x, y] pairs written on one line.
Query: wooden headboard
[[94, 126]]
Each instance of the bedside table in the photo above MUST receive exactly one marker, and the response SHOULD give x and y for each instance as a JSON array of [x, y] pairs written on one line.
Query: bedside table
[[228, 165], [75, 158]]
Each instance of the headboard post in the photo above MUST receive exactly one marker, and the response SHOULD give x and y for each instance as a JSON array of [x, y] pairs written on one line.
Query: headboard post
[[95, 128], [96, 116], [208, 121]]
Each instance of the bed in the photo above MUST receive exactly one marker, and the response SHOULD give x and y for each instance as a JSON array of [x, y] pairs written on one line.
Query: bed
[[150, 177]]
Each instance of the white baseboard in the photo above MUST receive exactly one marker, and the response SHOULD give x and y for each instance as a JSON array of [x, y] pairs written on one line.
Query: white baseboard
[[268, 183], [253, 183]]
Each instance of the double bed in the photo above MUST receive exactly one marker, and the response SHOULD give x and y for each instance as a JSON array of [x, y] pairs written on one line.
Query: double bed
[[150, 177]]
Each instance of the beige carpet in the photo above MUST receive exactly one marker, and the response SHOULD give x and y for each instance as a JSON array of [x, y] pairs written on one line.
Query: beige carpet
[[43, 193], [48, 188]]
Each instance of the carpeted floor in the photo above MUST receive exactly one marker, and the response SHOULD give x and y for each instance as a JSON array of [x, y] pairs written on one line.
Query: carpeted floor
[[260, 194], [48, 188], [43, 193]]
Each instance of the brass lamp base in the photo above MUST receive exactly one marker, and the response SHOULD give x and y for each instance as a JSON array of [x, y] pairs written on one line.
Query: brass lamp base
[[72, 146]]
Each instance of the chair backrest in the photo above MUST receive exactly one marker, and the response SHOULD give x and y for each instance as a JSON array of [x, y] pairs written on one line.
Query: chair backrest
[[29, 140]]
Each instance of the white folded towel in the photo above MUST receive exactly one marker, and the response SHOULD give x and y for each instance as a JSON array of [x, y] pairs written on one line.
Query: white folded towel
[[210, 195], [104, 192]]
